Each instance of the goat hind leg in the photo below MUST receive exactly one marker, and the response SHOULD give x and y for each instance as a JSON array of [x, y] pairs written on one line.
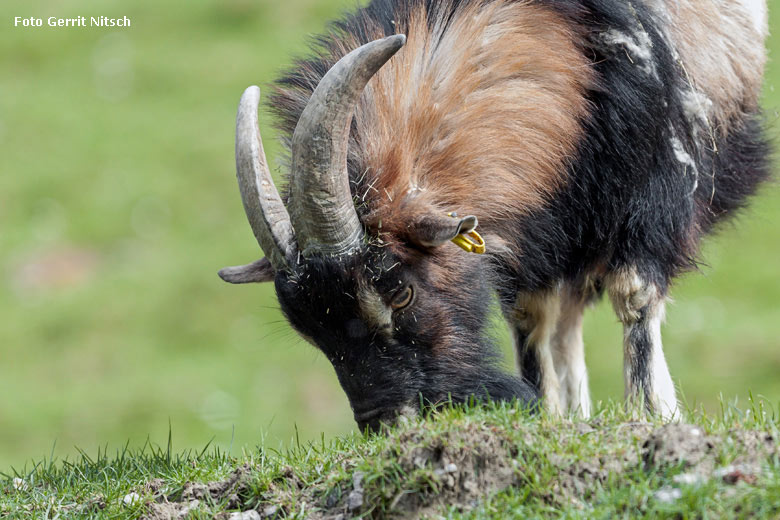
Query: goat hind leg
[[640, 306]]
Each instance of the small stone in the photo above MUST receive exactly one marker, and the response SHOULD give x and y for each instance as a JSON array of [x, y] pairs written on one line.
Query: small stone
[[451, 468], [357, 481], [689, 479], [332, 499], [270, 511], [131, 499], [355, 500], [245, 515], [668, 495], [20, 484]]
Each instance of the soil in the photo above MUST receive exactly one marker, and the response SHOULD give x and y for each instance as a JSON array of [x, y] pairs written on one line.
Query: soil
[[173, 507], [689, 447], [460, 467], [465, 464]]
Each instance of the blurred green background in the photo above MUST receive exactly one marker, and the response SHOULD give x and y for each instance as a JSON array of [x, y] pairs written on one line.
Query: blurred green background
[[118, 204]]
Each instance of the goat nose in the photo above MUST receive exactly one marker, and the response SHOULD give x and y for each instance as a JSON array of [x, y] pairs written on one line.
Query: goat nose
[[375, 420], [369, 426]]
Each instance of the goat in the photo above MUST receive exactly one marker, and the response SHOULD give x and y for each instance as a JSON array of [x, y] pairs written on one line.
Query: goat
[[594, 142]]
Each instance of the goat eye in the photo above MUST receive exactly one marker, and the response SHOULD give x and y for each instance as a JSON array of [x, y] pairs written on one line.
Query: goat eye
[[402, 298]]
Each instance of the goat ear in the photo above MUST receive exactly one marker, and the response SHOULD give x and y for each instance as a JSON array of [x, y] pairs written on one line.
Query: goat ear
[[256, 272], [434, 231]]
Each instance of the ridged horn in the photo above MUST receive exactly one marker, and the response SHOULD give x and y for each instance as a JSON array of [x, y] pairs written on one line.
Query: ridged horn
[[320, 203], [263, 206]]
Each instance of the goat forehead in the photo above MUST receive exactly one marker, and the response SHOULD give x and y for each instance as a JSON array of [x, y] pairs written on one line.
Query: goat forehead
[[353, 287]]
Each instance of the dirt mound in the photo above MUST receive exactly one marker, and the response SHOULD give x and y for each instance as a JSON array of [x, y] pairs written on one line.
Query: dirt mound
[[578, 477], [456, 468], [688, 447], [421, 471]]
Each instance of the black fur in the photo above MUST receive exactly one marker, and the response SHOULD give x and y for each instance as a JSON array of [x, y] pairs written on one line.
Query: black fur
[[641, 350], [532, 372], [382, 370]]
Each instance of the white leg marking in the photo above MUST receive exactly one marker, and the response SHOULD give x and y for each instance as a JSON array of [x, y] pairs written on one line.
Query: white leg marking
[[664, 395], [640, 307], [537, 314], [569, 356]]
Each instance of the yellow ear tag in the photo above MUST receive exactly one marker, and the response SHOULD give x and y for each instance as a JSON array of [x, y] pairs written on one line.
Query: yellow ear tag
[[464, 242]]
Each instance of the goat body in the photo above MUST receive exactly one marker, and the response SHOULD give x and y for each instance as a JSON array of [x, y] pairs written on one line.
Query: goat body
[[596, 141]]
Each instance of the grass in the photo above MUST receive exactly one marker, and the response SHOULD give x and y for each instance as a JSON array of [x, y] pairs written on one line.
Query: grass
[[118, 204], [494, 462]]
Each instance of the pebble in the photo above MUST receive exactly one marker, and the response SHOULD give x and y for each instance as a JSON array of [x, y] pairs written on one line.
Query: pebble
[[689, 479], [668, 495], [131, 499], [357, 481], [246, 515], [355, 500]]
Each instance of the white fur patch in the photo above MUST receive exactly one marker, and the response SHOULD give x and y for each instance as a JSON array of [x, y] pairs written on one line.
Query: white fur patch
[[375, 311], [639, 48], [663, 392], [758, 14], [629, 293], [697, 107], [538, 314], [685, 159], [414, 187], [569, 357]]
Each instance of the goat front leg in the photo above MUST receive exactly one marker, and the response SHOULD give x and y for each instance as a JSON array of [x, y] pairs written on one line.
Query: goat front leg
[[533, 318], [568, 350], [640, 306]]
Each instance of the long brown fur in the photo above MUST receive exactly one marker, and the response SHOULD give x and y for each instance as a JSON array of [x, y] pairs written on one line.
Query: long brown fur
[[479, 115]]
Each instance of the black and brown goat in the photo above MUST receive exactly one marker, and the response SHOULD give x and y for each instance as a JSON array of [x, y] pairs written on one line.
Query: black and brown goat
[[595, 140]]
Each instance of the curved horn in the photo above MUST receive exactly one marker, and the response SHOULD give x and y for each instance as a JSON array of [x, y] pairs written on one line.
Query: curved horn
[[320, 201], [263, 206]]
